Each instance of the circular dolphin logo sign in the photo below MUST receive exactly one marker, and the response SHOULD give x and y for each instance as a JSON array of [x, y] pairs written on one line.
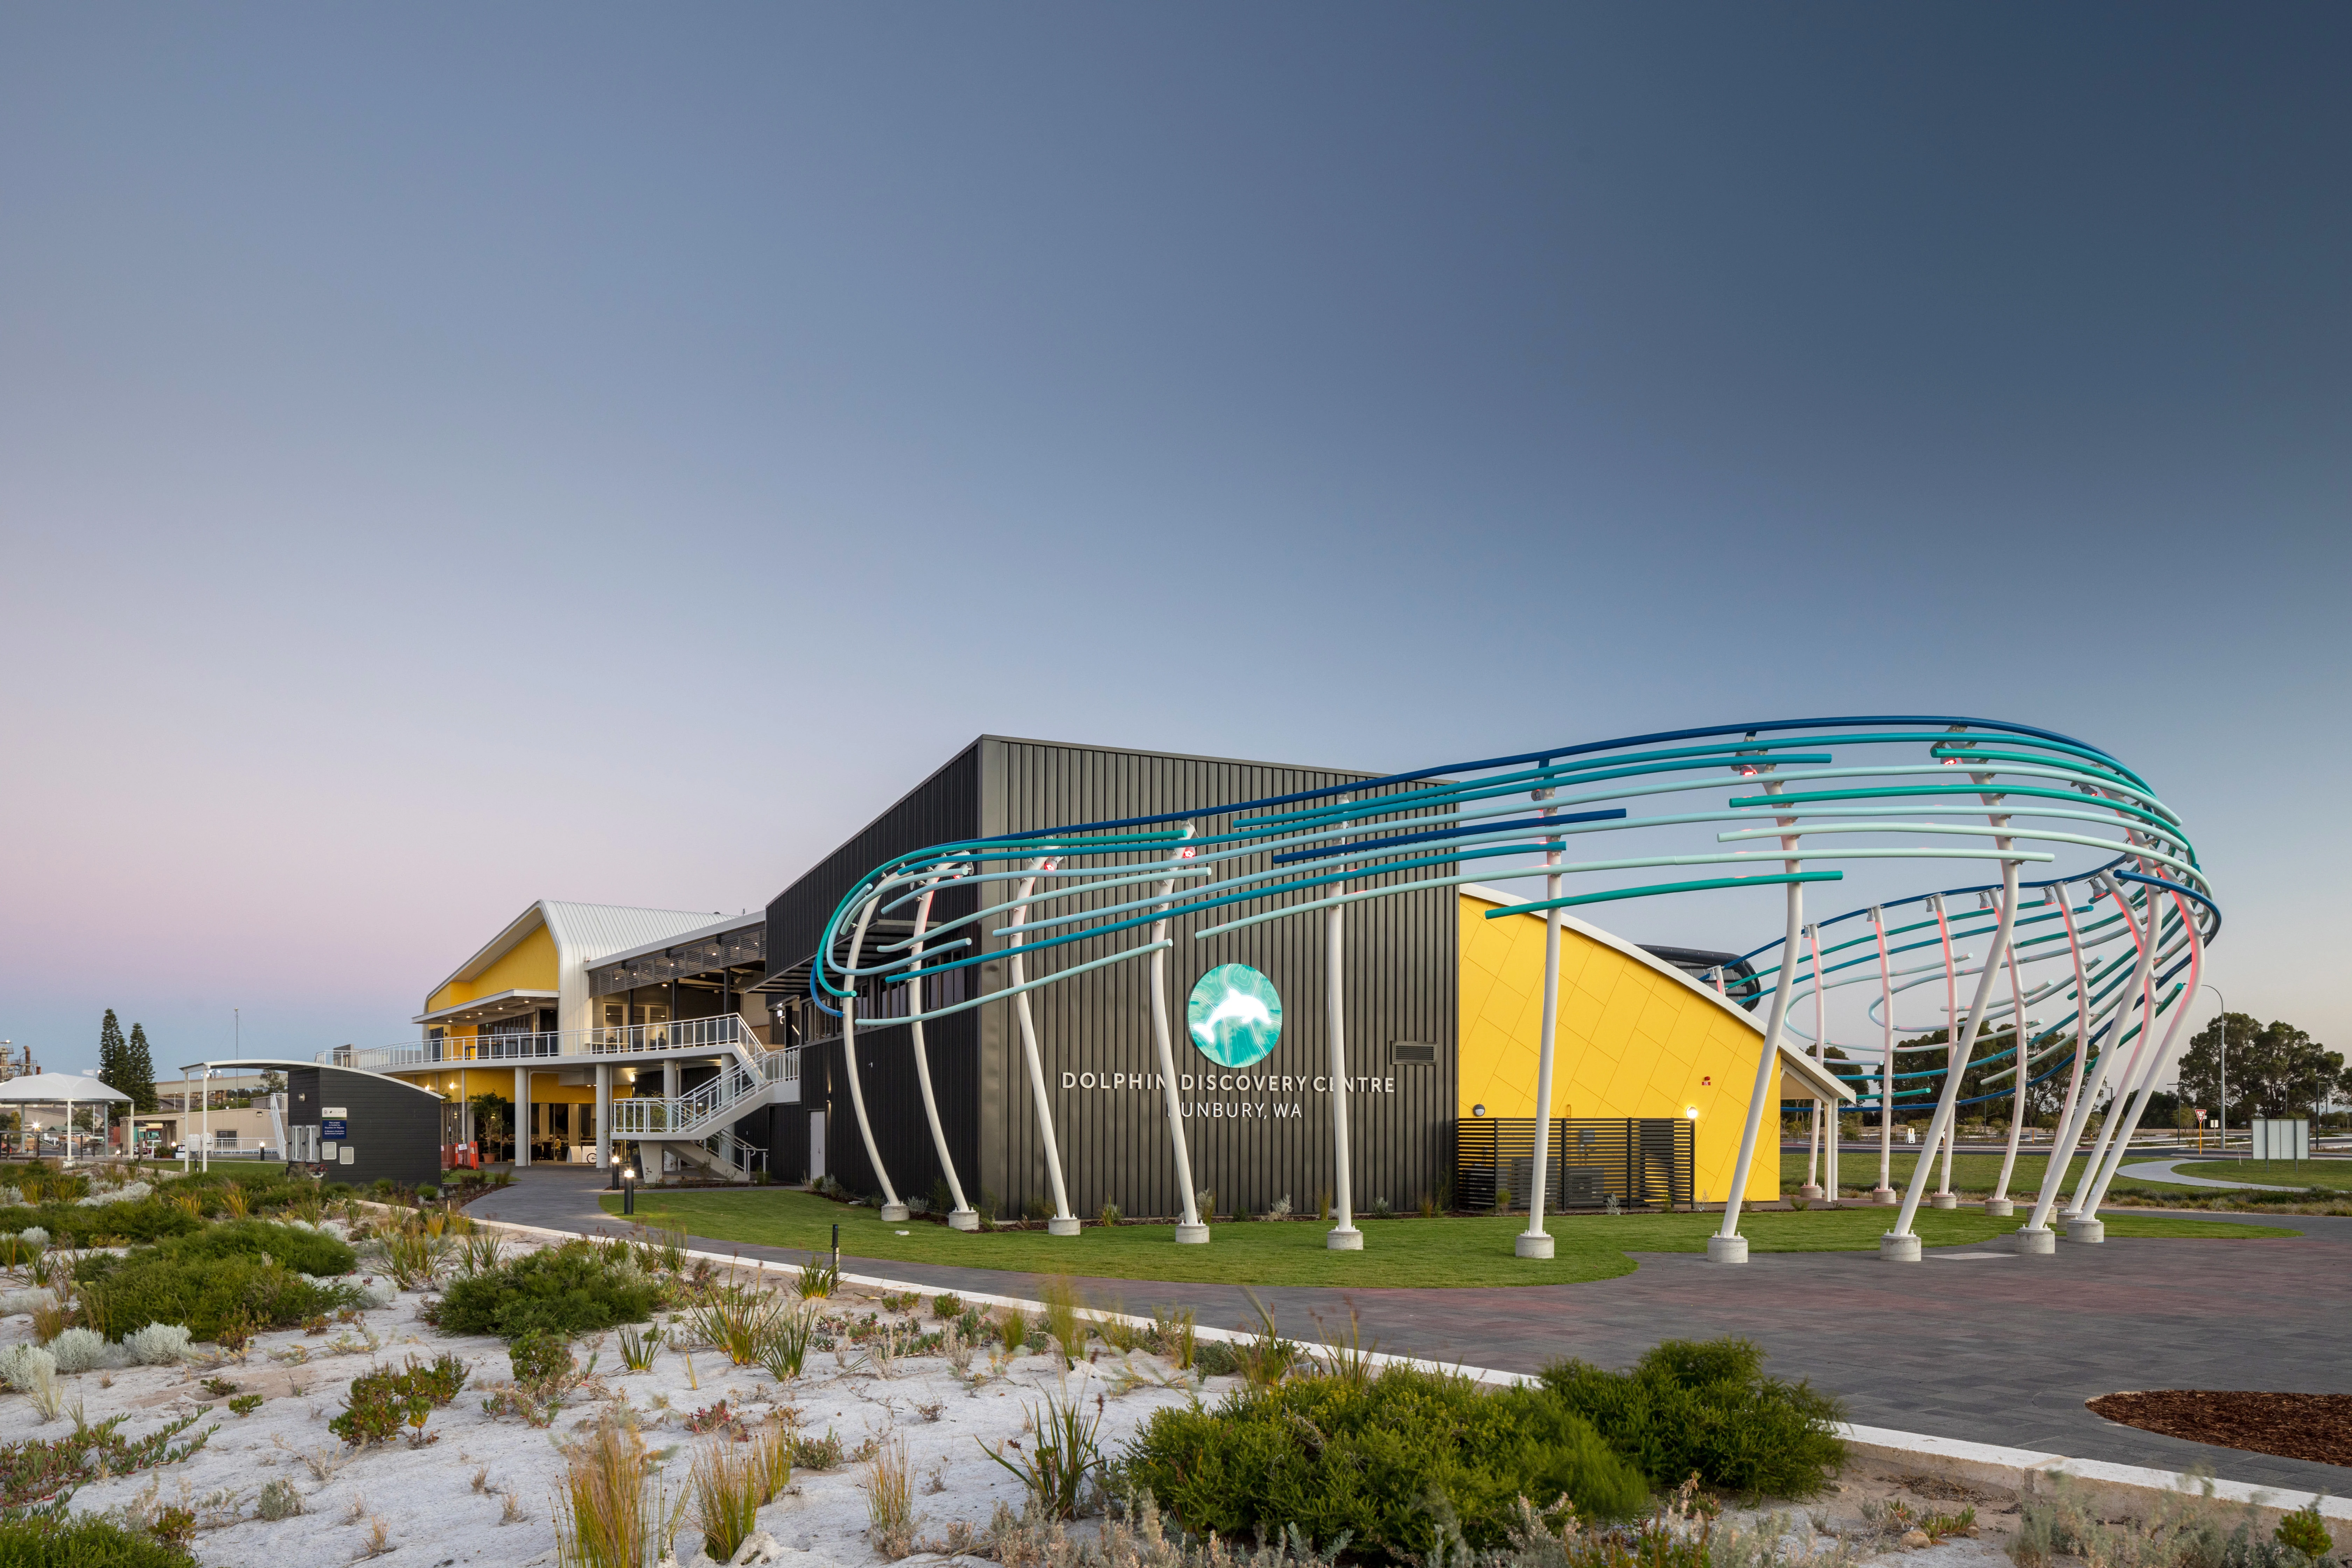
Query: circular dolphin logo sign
[[1235, 1015]]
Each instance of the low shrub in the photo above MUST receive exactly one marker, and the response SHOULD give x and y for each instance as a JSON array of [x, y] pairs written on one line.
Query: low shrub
[[86, 1350], [578, 1288], [1370, 1460], [83, 1540], [1707, 1408], [299, 1247], [50, 1471], [147, 1220], [159, 1344], [383, 1401], [207, 1294]]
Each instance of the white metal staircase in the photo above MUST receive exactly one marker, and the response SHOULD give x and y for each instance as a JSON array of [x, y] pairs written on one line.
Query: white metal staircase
[[696, 1125]]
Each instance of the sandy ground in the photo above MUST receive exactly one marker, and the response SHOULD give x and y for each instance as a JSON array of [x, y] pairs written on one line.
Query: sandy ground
[[486, 1489], [448, 1503]]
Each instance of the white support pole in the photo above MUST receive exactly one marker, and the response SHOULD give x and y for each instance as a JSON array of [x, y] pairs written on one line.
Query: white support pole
[[603, 1116], [1901, 1244], [2035, 1239], [204, 1149], [1812, 1188], [1063, 1223], [1535, 1241], [1190, 1231], [963, 1217], [2162, 1056], [893, 1211], [1885, 1191], [1945, 1197], [1998, 1205], [2081, 1225], [521, 1117], [1342, 1237], [1823, 1108], [1727, 1244]]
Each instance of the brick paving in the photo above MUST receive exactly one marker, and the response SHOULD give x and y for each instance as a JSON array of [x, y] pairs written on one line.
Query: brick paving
[[1993, 1349]]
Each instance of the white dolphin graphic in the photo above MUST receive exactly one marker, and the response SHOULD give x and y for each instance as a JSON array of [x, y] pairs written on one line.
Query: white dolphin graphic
[[1237, 1008]]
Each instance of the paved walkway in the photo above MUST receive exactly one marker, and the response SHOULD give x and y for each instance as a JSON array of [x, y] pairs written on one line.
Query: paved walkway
[[2162, 1171], [1969, 1343]]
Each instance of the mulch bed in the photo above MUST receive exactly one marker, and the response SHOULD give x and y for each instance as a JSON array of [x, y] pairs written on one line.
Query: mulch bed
[[2294, 1425]]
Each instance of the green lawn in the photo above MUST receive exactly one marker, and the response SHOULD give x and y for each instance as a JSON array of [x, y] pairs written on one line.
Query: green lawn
[[1423, 1252], [2335, 1175], [1974, 1173]]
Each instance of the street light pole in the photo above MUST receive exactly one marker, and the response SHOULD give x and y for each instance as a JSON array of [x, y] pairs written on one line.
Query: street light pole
[[2222, 1053]]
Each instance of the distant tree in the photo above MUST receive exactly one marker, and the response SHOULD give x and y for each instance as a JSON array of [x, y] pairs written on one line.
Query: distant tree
[[138, 1079], [2275, 1068], [110, 1051]]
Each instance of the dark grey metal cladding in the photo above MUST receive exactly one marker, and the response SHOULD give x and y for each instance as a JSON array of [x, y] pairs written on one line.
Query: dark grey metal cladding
[[395, 1127], [1400, 979], [942, 809]]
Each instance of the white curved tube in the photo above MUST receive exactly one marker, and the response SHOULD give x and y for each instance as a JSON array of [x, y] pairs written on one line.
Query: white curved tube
[[1547, 1045], [923, 1066], [849, 1057], [2070, 1117], [1940, 1126], [1334, 1010], [1768, 1058], [1173, 1106], [2142, 988], [1029, 1052]]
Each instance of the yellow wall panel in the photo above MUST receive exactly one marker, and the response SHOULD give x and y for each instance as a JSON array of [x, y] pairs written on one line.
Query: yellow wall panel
[[529, 965], [1631, 1042]]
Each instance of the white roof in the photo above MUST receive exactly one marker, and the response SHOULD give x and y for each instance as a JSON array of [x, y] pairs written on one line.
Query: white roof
[[700, 933], [55, 1088]]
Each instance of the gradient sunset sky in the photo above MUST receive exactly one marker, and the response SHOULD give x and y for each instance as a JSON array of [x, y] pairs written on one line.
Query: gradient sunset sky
[[454, 456]]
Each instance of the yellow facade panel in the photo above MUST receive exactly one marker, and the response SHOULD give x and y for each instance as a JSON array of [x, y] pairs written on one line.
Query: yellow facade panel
[[1631, 1042]]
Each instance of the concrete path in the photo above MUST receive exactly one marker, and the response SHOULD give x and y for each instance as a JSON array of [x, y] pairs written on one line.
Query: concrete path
[[2162, 1171], [1972, 1342]]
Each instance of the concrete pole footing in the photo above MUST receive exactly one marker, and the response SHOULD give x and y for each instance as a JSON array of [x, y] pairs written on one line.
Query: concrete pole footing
[[1344, 1239], [1062, 1224], [2031, 1243], [1810, 1191], [894, 1214], [1893, 1249], [1886, 1197], [1528, 1246], [1191, 1236], [2094, 1231], [1943, 1200], [963, 1219], [2000, 1208], [1727, 1249]]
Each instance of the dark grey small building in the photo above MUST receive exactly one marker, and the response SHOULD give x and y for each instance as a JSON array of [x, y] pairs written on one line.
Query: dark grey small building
[[356, 1126]]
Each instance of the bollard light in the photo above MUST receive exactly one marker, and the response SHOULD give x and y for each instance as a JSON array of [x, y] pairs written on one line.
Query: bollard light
[[628, 1189]]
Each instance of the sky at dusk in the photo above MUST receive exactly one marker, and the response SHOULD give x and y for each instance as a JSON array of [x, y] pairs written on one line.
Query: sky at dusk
[[451, 456]]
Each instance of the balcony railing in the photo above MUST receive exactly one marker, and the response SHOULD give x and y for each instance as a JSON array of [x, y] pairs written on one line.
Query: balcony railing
[[691, 1113], [728, 1031]]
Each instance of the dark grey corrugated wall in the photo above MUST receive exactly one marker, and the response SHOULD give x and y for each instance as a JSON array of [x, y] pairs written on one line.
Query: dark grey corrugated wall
[[1401, 980]]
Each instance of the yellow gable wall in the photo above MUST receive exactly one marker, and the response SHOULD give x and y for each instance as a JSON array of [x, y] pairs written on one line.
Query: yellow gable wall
[[529, 965], [1631, 1042]]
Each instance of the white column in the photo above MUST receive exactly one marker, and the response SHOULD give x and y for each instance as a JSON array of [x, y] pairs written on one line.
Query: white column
[[603, 1116], [1190, 1231], [522, 1117], [1342, 1237], [1535, 1241]]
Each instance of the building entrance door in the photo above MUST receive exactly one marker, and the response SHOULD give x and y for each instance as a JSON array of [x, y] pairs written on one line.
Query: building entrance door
[[816, 1145]]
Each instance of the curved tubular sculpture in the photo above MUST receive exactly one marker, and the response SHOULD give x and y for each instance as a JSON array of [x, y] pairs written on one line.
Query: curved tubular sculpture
[[1090, 895]]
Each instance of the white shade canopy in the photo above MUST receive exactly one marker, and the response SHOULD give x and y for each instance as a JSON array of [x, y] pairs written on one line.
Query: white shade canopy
[[57, 1089]]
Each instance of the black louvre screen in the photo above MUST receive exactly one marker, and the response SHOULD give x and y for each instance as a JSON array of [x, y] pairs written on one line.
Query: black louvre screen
[[1641, 1162]]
